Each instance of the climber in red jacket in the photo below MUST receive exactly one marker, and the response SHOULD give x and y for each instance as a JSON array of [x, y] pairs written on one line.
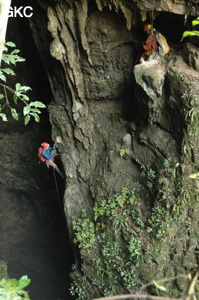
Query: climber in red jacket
[[47, 154], [151, 44]]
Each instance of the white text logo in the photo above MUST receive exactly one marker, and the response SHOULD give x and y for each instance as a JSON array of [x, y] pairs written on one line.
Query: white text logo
[[22, 11]]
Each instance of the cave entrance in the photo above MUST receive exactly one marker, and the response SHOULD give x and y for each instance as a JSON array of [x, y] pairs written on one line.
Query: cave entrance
[[172, 27], [34, 238]]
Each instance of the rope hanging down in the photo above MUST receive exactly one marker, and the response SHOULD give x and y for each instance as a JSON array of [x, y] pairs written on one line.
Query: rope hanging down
[[56, 188]]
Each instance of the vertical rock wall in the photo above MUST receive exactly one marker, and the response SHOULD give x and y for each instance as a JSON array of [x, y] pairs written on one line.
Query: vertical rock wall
[[95, 72]]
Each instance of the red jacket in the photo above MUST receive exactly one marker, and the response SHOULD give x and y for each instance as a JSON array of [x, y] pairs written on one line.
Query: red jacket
[[151, 42]]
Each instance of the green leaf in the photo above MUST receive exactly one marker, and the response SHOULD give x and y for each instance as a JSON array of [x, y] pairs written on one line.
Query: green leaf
[[19, 59], [194, 176], [24, 97], [26, 110], [12, 60], [10, 44], [17, 86], [23, 282], [14, 114], [159, 287], [189, 33], [17, 94], [195, 32], [5, 49], [2, 96], [37, 104], [35, 110], [6, 58], [15, 51], [195, 22], [3, 77], [15, 98], [8, 71], [22, 88], [27, 119], [36, 116], [4, 117], [26, 88], [14, 282]]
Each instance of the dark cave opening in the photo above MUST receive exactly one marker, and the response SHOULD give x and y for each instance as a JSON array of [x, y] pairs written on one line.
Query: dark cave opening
[[34, 239], [172, 27]]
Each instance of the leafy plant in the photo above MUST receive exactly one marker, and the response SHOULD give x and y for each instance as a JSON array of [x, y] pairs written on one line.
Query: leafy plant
[[194, 176], [112, 242], [149, 174], [192, 114], [19, 93], [159, 222], [13, 289], [117, 116], [123, 152], [123, 232], [84, 232], [193, 32]]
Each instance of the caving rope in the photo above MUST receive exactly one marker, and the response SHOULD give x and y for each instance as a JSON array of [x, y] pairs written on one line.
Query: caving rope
[[56, 188], [58, 197], [151, 17]]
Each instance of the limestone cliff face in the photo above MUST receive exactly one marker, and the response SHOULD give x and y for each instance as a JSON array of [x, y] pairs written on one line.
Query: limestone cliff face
[[104, 103]]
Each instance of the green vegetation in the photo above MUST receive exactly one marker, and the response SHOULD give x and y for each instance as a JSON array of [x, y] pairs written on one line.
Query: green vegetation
[[192, 114], [193, 32], [13, 289], [84, 231], [190, 97], [114, 244], [117, 116], [117, 232], [194, 176], [124, 152], [30, 109], [121, 234], [162, 188]]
